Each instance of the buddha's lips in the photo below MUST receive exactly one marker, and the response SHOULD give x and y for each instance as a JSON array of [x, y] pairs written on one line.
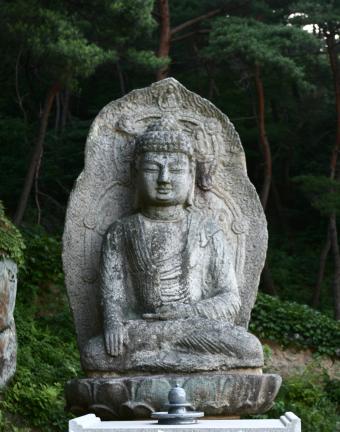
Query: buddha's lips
[[164, 190]]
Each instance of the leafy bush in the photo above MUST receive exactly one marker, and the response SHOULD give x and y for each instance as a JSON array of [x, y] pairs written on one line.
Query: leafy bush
[[45, 362], [333, 392], [293, 323], [42, 280], [47, 352], [312, 396], [307, 396], [11, 241]]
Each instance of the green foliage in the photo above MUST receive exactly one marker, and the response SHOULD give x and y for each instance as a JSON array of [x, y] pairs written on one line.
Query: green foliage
[[51, 36], [47, 358], [43, 269], [273, 46], [293, 261], [307, 396], [293, 323], [11, 242], [324, 16], [136, 13], [122, 26], [333, 391], [146, 59], [322, 192], [47, 352]]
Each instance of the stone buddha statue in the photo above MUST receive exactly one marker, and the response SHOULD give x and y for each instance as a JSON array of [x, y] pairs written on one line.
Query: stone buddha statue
[[164, 242], [168, 288]]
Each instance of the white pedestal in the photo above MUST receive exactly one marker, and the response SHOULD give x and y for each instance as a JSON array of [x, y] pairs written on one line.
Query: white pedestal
[[289, 422]]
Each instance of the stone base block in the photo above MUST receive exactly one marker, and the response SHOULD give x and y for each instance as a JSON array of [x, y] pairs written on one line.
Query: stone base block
[[216, 394], [289, 422]]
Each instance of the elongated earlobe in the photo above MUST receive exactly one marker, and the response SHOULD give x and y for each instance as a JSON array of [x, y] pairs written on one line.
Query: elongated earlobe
[[191, 194]]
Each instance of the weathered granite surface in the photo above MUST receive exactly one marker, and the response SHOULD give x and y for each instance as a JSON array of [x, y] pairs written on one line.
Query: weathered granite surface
[[217, 394], [288, 422], [164, 243], [105, 191], [8, 343], [183, 345]]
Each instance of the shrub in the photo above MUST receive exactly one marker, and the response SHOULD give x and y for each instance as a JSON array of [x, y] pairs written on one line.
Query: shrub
[[45, 362], [11, 241], [47, 352], [292, 323], [307, 396], [43, 270]]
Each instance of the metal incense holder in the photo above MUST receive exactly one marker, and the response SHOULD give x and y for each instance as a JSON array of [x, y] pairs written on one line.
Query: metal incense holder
[[179, 410]]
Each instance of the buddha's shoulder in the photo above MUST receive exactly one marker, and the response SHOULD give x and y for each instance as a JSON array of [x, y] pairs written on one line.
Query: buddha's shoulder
[[118, 226]]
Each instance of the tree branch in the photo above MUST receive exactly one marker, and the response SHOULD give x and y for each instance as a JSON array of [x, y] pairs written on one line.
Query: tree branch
[[53, 200], [193, 21], [17, 90], [187, 35]]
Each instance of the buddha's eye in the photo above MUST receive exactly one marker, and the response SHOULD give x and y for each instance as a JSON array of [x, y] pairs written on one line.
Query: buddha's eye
[[151, 168], [176, 169]]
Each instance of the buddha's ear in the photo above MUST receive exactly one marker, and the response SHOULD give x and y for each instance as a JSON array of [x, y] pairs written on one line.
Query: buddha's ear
[[133, 176], [191, 194], [204, 173]]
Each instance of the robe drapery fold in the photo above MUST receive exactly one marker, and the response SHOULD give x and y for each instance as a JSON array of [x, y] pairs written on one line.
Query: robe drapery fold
[[201, 276]]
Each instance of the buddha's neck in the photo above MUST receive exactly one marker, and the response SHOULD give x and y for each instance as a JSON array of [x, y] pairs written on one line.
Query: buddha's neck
[[166, 213]]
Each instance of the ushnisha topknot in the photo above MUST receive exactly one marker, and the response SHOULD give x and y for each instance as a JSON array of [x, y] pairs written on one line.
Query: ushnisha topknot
[[164, 136]]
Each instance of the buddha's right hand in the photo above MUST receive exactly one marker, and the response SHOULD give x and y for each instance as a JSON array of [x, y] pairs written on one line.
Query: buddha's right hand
[[114, 339]]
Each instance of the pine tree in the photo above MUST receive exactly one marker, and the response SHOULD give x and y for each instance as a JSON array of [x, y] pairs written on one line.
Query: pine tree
[[324, 19]]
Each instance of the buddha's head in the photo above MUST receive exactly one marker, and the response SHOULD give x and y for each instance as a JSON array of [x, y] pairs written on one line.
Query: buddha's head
[[164, 166]]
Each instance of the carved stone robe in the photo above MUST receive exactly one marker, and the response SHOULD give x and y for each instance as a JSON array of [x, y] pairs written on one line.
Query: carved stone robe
[[133, 282], [196, 274]]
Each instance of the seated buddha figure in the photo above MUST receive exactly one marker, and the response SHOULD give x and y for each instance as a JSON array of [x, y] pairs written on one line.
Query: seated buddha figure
[[169, 292]]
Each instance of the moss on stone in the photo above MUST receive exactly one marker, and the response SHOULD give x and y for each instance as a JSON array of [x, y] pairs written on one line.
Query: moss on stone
[[11, 241]]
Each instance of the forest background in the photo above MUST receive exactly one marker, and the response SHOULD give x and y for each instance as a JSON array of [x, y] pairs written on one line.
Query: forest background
[[272, 66]]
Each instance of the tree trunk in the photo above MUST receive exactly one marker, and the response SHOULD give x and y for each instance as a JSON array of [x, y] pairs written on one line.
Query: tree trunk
[[65, 108], [267, 279], [57, 113], [167, 33], [121, 79], [165, 38], [332, 53], [36, 155], [333, 232], [195, 20], [264, 143], [321, 271]]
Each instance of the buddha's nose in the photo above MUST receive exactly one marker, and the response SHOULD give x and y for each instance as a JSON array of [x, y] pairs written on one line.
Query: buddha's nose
[[164, 175]]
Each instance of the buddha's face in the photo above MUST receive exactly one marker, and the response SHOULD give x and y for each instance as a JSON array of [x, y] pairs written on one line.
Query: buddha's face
[[164, 179]]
